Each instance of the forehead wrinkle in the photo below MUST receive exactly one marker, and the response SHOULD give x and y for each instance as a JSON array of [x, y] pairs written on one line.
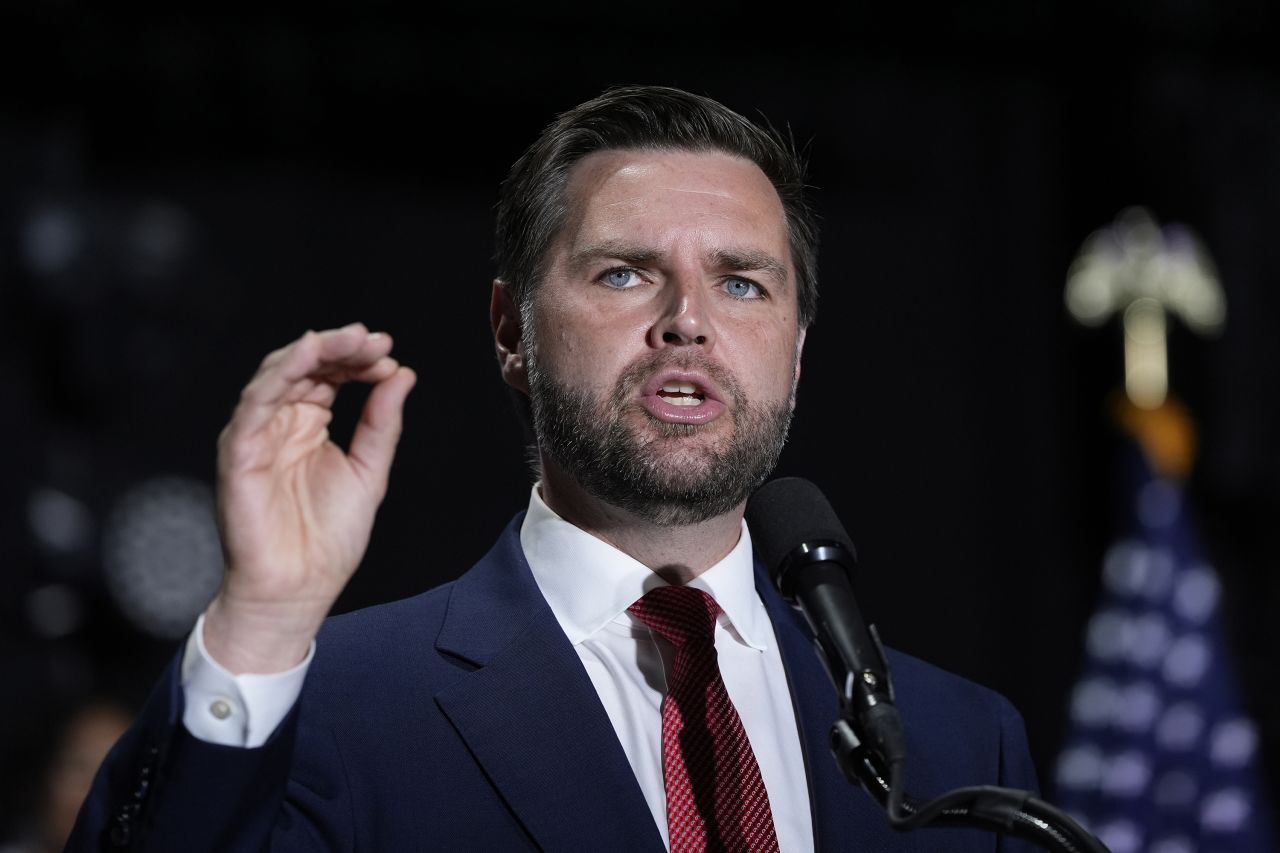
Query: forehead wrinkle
[[716, 193], [625, 201]]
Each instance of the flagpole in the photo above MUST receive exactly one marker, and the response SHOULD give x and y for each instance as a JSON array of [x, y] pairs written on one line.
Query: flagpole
[[1160, 756]]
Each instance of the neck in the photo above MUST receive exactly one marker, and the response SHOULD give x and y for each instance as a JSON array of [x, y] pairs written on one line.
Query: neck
[[676, 553]]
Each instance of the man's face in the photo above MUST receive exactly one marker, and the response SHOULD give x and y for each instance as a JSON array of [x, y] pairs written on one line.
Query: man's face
[[662, 345]]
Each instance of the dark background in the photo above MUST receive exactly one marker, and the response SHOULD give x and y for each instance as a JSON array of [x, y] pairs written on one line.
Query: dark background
[[232, 179]]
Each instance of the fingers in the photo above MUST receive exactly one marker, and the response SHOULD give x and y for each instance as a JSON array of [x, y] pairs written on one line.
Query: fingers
[[310, 368], [323, 391], [330, 341], [373, 446], [350, 349]]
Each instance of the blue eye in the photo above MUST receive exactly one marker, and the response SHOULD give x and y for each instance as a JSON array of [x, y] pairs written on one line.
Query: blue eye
[[740, 288], [621, 278]]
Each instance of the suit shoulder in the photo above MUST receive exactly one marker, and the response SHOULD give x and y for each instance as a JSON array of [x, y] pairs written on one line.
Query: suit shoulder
[[917, 682], [955, 721]]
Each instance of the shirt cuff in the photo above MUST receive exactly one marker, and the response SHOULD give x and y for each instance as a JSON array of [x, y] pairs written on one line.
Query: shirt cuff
[[235, 710]]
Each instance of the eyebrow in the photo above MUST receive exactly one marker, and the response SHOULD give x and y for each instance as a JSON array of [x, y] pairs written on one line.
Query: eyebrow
[[624, 252], [744, 260], [752, 261]]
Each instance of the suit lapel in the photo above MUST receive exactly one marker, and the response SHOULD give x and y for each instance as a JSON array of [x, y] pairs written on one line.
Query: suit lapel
[[531, 717]]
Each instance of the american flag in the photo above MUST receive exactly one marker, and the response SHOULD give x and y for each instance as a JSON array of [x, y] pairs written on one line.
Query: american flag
[[1160, 757]]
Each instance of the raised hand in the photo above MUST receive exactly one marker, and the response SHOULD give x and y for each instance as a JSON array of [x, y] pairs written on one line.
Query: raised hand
[[295, 511]]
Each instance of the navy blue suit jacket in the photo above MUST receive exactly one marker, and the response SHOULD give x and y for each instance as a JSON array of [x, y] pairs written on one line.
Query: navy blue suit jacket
[[462, 719]]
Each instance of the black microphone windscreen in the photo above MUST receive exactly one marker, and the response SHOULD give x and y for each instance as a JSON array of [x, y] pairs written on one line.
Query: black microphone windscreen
[[789, 511]]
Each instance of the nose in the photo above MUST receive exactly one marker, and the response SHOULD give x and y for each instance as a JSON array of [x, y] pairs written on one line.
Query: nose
[[685, 316]]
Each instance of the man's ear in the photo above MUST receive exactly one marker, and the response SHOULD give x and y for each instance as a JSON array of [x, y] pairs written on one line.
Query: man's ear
[[508, 337]]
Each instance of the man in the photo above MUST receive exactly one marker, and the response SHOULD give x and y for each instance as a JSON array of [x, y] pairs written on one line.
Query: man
[[656, 279]]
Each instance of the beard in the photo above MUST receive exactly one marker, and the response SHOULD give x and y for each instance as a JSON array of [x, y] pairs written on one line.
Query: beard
[[661, 474]]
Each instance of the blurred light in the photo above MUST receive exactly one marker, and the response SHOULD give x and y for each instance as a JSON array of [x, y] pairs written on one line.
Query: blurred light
[[1233, 742], [161, 554], [59, 522], [1081, 767], [1180, 727], [1225, 811], [1089, 294], [1127, 774], [1120, 836], [1124, 567], [52, 239], [1187, 661], [1192, 282], [1106, 634], [1138, 706], [1093, 701], [1131, 569], [53, 611], [1150, 640], [1196, 593]]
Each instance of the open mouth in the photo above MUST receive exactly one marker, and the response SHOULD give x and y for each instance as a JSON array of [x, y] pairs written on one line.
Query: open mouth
[[682, 399], [681, 393]]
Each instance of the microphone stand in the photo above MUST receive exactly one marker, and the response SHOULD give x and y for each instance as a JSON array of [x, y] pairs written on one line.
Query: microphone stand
[[1004, 810]]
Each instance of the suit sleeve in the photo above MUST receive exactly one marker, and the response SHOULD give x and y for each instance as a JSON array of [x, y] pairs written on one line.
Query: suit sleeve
[[162, 789]]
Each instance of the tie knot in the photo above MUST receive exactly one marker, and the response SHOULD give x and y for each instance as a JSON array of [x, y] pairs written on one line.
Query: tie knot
[[678, 613]]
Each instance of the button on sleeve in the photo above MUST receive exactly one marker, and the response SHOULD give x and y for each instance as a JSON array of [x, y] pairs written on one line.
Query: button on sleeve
[[233, 710]]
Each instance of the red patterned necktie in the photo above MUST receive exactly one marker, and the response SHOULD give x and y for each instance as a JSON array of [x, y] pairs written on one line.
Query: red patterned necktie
[[716, 800]]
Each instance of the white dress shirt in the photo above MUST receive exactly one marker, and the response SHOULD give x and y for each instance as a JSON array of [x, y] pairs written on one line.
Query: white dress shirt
[[589, 585]]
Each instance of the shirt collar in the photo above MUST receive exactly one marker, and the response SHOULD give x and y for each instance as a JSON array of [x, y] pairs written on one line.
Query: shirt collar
[[588, 583]]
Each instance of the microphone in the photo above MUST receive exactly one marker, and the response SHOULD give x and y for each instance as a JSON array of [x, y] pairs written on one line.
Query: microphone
[[811, 559], [796, 533]]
